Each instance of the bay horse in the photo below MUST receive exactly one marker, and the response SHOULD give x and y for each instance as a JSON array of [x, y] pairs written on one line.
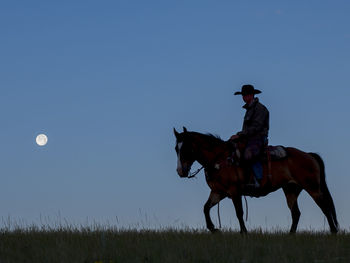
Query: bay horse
[[298, 171]]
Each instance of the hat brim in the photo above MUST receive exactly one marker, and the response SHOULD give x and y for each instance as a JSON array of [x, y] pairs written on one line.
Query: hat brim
[[256, 91]]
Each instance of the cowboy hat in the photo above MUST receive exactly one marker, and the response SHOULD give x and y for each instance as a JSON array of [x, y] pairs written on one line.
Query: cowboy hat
[[247, 89]]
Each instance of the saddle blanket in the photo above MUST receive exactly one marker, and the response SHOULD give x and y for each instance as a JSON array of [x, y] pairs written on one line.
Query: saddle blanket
[[277, 152]]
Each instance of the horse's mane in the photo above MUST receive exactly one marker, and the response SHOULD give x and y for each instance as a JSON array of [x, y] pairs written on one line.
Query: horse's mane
[[211, 139], [215, 137]]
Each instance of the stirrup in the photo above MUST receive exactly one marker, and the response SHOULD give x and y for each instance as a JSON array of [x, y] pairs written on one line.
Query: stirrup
[[255, 185], [230, 160]]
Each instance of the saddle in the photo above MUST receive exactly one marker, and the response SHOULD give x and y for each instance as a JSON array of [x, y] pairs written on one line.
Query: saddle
[[276, 152], [269, 152], [268, 155]]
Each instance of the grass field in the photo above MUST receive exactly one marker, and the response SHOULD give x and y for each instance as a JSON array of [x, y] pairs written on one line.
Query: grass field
[[108, 245]]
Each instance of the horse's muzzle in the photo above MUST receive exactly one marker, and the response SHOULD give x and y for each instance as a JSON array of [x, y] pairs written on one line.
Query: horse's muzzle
[[182, 172]]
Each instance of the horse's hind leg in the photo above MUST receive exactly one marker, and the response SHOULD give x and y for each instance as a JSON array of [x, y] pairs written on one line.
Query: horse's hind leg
[[323, 201], [292, 192], [213, 199], [323, 197]]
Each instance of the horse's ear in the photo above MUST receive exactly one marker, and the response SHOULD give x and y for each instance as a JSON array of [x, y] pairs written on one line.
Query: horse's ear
[[185, 130], [176, 133]]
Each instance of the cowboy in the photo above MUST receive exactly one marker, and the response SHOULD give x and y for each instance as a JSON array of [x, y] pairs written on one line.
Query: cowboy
[[254, 132]]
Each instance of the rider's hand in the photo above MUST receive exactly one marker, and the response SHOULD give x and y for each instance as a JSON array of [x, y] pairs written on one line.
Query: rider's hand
[[234, 137]]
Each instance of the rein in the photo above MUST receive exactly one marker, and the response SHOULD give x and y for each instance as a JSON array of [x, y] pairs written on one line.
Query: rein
[[195, 173], [192, 175]]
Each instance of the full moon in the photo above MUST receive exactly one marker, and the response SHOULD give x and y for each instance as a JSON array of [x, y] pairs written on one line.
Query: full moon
[[41, 139]]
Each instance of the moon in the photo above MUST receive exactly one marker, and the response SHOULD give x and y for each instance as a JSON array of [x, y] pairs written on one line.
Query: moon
[[41, 139]]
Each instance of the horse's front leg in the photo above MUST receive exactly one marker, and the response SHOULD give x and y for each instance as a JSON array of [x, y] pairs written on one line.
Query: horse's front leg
[[237, 201], [213, 199]]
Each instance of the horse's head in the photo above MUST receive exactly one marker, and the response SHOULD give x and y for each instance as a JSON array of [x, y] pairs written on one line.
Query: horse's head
[[185, 152]]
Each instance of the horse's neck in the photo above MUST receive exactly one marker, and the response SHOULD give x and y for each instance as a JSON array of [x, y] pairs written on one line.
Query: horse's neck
[[205, 158], [208, 156]]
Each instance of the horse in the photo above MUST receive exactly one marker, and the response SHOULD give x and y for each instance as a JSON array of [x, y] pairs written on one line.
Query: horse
[[294, 173]]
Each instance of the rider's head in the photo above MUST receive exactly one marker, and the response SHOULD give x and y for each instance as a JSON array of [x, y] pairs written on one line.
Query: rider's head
[[248, 93], [248, 98]]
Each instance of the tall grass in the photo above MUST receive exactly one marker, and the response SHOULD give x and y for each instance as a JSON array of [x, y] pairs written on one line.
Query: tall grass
[[109, 245]]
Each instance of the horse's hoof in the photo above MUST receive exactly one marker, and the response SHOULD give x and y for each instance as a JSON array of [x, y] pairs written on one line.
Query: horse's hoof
[[334, 231], [215, 230]]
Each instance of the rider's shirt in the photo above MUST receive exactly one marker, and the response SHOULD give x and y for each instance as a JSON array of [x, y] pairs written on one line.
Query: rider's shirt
[[256, 121]]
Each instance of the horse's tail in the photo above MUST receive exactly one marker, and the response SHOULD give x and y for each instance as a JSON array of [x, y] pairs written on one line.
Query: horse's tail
[[324, 188]]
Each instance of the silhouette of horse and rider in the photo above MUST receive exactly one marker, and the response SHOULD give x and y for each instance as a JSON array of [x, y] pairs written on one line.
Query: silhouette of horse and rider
[[246, 166]]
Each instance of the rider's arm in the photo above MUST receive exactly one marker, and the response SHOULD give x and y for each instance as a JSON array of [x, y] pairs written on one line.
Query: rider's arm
[[257, 124]]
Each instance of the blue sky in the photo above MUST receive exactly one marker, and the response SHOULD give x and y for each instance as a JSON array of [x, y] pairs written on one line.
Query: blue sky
[[108, 80]]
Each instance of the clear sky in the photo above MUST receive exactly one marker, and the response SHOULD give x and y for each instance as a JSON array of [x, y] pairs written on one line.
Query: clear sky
[[108, 80]]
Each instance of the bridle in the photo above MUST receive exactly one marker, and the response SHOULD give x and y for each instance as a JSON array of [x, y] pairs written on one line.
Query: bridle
[[191, 175]]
